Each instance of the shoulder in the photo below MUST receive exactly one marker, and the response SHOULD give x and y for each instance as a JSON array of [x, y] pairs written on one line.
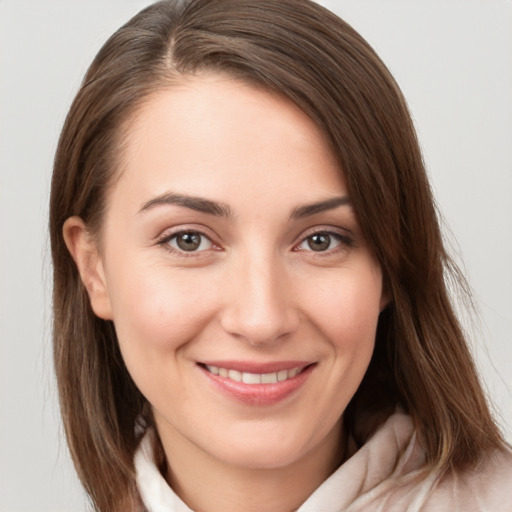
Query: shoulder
[[409, 485], [488, 486]]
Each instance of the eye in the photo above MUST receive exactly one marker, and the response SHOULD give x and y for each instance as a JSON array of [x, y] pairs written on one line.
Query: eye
[[322, 242], [188, 241]]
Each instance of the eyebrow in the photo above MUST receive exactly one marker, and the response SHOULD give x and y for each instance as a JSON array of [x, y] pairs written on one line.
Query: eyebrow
[[194, 203], [210, 207], [319, 207]]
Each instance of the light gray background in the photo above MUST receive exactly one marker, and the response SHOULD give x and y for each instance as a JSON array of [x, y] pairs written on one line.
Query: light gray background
[[453, 60]]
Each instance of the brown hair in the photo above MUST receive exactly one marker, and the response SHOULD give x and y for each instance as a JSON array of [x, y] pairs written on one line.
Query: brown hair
[[304, 52]]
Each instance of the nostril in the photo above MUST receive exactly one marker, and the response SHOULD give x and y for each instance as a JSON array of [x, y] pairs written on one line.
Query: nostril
[[259, 331], [260, 309]]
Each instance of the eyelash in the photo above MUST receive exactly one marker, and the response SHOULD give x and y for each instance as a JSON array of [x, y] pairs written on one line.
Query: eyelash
[[166, 239], [344, 241]]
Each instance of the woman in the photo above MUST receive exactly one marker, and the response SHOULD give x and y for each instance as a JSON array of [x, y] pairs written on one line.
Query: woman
[[249, 280]]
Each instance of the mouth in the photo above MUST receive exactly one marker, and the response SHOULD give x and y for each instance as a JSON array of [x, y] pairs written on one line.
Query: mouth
[[255, 378], [258, 384]]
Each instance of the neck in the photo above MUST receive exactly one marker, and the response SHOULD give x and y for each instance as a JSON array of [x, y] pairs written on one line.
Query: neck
[[207, 484]]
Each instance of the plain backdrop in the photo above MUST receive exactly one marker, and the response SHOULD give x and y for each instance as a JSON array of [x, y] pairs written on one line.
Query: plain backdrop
[[453, 60]]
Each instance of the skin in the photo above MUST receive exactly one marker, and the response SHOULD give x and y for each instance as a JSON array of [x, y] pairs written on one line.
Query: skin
[[254, 290]]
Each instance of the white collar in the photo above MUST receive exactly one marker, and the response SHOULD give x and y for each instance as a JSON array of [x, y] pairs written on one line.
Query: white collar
[[391, 453]]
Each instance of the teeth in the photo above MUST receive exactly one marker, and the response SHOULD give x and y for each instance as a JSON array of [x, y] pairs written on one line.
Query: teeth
[[269, 378], [213, 369], [282, 375], [251, 378], [234, 375], [254, 378]]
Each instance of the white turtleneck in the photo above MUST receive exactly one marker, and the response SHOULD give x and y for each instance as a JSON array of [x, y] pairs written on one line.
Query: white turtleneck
[[386, 475]]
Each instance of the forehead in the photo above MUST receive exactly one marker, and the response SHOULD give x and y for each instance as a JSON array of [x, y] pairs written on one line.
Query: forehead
[[220, 137]]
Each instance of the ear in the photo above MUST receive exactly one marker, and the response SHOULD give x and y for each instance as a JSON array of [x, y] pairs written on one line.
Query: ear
[[385, 297], [84, 251], [384, 301]]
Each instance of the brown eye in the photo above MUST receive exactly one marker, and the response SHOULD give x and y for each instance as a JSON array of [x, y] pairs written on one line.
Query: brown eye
[[189, 241], [319, 242], [323, 241]]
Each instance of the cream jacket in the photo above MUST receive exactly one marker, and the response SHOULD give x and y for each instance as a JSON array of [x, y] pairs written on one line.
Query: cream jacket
[[385, 475]]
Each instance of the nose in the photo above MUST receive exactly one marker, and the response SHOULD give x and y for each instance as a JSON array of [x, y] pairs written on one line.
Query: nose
[[260, 308]]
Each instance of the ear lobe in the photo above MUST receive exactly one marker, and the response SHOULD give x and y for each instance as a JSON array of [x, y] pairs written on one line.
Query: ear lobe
[[85, 253], [385, 298], [384, 302]]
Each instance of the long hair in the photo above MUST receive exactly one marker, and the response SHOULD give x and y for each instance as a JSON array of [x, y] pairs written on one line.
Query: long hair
[[304, 52]]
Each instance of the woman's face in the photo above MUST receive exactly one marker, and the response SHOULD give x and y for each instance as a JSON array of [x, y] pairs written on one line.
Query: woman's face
[[242, 291]]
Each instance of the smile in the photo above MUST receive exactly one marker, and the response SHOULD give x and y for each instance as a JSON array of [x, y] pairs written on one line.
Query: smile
[[254, 378], [258, 384]]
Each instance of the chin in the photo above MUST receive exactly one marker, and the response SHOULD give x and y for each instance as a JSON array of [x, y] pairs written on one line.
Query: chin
[[274, 446], [265, 457]]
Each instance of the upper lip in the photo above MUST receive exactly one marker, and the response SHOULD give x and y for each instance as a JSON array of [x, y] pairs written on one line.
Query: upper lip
[[258, 368]]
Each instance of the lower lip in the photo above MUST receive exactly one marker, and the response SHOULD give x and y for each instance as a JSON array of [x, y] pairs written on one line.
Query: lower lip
[[259, 394]]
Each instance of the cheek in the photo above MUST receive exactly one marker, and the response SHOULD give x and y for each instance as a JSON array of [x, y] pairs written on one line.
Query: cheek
[[156, 311], [346, 308]]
